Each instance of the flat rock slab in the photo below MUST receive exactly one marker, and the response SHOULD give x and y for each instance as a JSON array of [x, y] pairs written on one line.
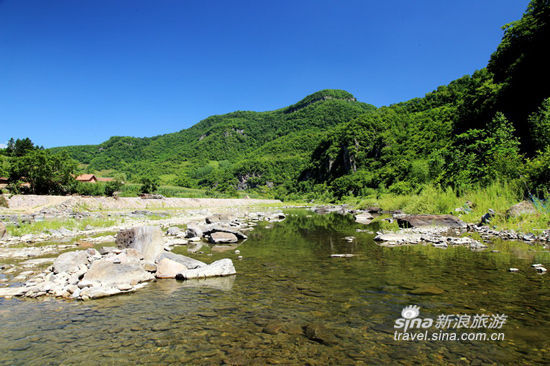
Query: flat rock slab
[[12, 291], [145, 239], [189, 263], [223, 267], [364, 218], [70, 261], [222, 237], [113, 274], [408, 221]]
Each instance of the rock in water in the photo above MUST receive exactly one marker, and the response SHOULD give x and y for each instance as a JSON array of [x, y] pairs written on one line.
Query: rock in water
[[223, 267], [70, 261], [145, 239], [221, 237], [319, 333], [522, 208], [364, 218], [111, 274], [407, 221], [189, 263], [167, 268]]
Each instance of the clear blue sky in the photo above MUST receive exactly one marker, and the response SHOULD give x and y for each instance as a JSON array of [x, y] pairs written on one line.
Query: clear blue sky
[[78, 72]]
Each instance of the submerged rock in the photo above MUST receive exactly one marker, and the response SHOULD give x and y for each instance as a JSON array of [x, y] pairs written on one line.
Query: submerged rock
[[317, 332]]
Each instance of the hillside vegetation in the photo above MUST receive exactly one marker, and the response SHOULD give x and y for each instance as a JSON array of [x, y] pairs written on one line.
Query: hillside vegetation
[[489, 127]]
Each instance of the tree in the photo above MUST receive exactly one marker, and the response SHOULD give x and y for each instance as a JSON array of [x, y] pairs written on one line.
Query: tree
[[149, 185], [539, 123], [112, 187], [46, 173]]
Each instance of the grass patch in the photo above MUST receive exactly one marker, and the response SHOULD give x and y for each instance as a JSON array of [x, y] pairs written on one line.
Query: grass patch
[[38, 227]]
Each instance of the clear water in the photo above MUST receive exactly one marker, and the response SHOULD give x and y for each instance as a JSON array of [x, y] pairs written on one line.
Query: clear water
[[286, 282]]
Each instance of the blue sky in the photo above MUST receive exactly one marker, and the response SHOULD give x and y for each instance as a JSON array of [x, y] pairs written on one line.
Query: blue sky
[[78, 72]]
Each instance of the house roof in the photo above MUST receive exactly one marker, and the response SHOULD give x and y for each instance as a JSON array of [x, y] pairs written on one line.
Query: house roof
[[105, 179], [85, 177]]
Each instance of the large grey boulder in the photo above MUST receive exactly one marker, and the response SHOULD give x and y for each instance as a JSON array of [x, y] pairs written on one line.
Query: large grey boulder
[[522, 208], [223, 267], [407, 221], [216, 218], [108, 273], [70, 261], [167, 268], [222, 237], [189, 263], [145, 239]]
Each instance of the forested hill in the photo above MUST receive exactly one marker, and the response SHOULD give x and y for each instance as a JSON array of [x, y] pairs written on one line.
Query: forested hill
[[291, 132]]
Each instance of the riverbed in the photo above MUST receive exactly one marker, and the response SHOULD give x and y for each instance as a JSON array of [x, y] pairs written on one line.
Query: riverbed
[[292, 303]]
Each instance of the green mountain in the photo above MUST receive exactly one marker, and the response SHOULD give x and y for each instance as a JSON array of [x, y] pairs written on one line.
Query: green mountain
[[284, 137]]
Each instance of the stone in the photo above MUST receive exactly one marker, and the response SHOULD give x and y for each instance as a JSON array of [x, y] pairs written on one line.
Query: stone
[[317, 332], [167, 268], [173, 231], [98, 292], [146, 239], [188, 262], [193, 231], [219, 229], [2, 230], [85, 244], [108, 273], [427, 290], [222, 267], [149, 266], [342, 255], [522, 208], [216, 218], [222, 237], [12, 291], [407, 221], [513, 269], [364, 218], [70, 261]]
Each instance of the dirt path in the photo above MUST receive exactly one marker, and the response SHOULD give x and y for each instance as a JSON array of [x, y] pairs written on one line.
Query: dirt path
[[28, 204]]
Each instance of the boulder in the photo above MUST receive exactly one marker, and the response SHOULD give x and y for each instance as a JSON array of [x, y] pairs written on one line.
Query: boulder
[[363, 218], [145, 239], [167, 268], [216, 218], [222, 237], [2, 230], [407, 221], [70, 261], [112, 274], [317, 332], [173, 231], [193, 231], [189, 263], [522, 208], [219, 229], [223, 267]]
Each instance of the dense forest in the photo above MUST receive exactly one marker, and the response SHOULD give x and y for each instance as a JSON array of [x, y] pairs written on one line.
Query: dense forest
[[493, 125]]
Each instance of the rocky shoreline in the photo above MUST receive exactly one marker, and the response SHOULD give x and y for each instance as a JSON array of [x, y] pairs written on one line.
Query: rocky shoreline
[[142, 254]]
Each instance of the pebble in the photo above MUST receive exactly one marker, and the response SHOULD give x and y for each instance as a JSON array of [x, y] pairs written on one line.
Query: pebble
[[513, 270]]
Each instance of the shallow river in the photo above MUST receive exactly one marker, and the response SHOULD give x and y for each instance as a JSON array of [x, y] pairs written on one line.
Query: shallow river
[[291, 303]]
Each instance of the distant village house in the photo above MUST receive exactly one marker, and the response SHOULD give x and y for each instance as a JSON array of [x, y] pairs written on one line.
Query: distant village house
[[91, 178]]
